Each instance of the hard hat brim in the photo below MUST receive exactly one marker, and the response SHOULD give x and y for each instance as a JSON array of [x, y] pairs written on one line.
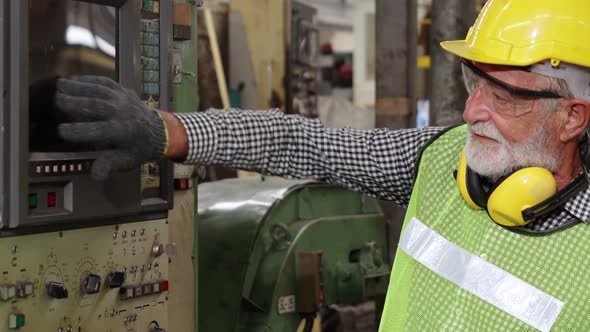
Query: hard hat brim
[[462, 49]]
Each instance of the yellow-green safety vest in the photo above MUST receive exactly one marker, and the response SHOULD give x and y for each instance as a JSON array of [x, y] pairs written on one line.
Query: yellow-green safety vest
[[457, 270]]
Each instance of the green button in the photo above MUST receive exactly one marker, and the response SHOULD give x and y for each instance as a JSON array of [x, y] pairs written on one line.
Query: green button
[[16, 321], [33, 201]]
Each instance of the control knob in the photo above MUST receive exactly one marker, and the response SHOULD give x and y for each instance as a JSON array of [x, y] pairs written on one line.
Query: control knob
[[90, 283], [56, 290], [115, 279], [157, 249]]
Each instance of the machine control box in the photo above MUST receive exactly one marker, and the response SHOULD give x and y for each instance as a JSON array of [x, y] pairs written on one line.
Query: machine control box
[[98, 279], [45, 181]]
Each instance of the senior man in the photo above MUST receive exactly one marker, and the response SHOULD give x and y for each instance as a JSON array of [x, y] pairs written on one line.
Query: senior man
[[495, 237]]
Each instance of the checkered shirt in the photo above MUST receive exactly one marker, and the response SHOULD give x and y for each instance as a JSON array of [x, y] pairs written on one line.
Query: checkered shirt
[[378, 162]]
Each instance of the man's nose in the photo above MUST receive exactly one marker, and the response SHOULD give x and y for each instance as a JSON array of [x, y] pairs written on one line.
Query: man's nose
[[476, 109]]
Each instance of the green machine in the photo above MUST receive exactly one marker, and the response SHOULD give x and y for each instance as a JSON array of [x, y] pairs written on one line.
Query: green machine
[[274, 252]]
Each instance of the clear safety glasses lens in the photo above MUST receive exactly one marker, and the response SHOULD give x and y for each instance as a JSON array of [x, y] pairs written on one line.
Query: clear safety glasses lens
[[504, 98]]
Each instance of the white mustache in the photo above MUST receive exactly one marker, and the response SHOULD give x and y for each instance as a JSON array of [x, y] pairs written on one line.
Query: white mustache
[[485, 130]]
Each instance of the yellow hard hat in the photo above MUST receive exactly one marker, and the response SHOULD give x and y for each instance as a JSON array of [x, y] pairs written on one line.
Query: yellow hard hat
[[521, 33]]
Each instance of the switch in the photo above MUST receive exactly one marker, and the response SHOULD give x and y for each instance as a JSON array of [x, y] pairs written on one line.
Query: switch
[[137, 291], [16, 320], [24, 289], [147, 289], [7, 292], [156, 288], [90, 283], [56, 290], [164, 285], [51, 199], [126, 293], [115, 279]]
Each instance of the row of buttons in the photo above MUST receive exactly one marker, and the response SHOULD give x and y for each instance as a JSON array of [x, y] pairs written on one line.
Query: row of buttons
[[151, 6], [151, 76], [130, 292], [152, 52], [150, 38], [61, 169], [51, 200], [150, 64], [124, 233], [21, 289], [133, 269], [150, 26]]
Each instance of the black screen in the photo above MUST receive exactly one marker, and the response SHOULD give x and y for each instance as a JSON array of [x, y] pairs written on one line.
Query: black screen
[[66, 38]]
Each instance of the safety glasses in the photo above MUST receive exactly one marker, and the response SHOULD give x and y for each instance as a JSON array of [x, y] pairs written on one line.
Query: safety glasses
[[505, 99]]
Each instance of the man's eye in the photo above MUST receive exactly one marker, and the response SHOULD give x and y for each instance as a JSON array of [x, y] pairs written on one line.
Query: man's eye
[[500, 98]]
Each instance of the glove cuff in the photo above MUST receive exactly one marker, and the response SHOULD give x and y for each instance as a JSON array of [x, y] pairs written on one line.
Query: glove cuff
[[166, 134], [160, 139]]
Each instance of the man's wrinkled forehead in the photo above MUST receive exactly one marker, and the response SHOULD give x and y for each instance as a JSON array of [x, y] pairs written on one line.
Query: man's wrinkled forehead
[[520, 77]]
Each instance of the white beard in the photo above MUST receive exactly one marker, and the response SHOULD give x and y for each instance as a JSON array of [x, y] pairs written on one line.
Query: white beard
[[496, 159]]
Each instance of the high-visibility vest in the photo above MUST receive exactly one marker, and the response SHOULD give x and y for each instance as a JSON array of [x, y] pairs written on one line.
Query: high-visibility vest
[[457, 270]]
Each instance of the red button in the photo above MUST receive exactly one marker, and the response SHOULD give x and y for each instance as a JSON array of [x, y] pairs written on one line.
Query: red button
[[51, 199], [164, 285]]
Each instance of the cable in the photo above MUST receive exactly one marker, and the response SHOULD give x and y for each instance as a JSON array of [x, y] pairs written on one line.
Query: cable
[[309, 318]]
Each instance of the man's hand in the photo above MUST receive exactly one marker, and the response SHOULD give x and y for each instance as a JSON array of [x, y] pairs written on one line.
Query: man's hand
[[99, 112]]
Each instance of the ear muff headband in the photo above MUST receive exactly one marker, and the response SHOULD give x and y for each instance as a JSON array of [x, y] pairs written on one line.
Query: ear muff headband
[[465, 184], [550, 204], [470, 185]]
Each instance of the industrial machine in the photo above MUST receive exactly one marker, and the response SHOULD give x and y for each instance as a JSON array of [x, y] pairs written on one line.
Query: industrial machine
[[80, 255], [283, 42], [41, 184], [303, 60], [274, 252]]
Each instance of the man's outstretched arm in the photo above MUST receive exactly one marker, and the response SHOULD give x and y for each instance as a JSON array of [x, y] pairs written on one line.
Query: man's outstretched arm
[[378, 162], [98, 111]]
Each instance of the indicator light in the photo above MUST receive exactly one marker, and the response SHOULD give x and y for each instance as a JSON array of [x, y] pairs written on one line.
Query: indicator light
[[33, 201], [51, 199]]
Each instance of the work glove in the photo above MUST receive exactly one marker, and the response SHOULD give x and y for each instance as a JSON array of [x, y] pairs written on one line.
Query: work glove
[[96, 111]]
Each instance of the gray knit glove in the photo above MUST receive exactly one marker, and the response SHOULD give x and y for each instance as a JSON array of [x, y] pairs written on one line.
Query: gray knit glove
[[98, 112]]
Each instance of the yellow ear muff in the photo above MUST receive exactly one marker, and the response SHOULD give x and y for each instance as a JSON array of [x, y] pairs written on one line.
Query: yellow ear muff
[[462, 181], [521, 190]]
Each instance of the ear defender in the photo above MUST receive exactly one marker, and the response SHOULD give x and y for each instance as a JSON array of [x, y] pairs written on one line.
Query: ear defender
[[508, 200]]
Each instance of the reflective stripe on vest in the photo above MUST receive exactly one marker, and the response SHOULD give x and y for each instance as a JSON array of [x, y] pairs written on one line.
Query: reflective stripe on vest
[[479, 277]]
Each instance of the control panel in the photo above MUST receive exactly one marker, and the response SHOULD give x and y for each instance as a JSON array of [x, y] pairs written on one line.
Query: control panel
[[104, 279]]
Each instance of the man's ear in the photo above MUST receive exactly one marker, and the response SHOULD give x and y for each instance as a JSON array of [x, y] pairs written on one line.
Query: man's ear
[[575, 119]]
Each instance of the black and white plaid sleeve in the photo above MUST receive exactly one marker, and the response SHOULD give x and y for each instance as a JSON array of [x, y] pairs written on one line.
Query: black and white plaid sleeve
[[378, 162]]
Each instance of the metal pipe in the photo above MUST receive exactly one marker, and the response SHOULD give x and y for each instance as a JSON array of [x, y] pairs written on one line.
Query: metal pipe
[[450, 21]]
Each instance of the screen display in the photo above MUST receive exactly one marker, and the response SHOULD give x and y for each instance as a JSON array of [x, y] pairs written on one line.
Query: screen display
[[66, 38]]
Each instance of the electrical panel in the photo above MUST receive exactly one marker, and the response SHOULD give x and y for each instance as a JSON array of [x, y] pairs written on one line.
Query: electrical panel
[[45, 181], [77, 254], [108, 279]]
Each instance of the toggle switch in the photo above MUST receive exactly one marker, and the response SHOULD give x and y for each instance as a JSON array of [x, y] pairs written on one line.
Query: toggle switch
[[24, 289], [115, 279]]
